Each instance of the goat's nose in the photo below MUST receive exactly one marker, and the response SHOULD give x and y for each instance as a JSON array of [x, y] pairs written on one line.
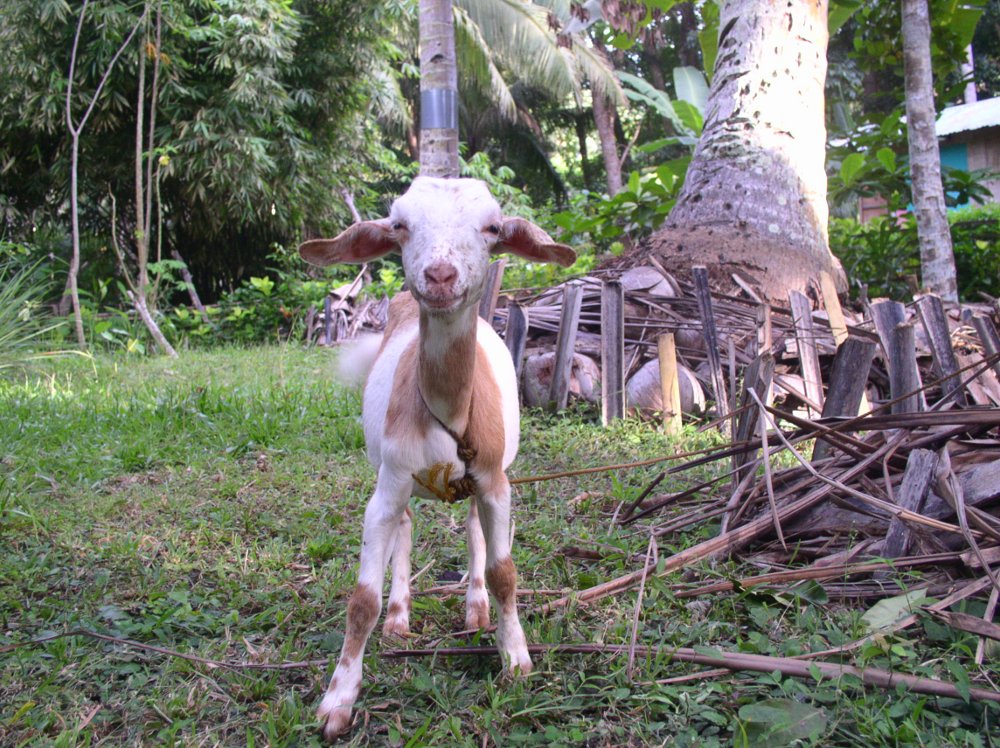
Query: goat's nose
[[441, 274]]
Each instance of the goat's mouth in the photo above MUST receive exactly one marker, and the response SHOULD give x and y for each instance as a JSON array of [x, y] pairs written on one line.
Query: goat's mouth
[[441, 302]]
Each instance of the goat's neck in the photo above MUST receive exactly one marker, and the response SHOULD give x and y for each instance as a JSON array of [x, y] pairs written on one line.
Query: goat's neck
[[447, 365]]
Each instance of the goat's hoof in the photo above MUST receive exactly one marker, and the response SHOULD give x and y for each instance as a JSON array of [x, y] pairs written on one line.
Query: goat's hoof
[[334, 718], [518, 668], [477, 617], [396, 629]]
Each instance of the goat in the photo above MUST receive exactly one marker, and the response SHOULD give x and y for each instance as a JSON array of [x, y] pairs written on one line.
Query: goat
[[440, 404]]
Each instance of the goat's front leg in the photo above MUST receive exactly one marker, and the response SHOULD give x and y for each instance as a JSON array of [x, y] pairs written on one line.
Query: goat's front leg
[[382, 522], [501, 577]]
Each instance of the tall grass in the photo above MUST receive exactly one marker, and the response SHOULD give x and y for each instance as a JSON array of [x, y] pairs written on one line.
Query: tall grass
[[24, 320]]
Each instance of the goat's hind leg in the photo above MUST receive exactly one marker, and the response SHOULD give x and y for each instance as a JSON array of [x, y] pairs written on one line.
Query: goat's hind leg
[[382, 521], [477, 602], [397, 614]]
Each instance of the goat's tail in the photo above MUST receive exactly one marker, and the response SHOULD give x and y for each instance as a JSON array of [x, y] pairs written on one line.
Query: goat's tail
[[355, 359]]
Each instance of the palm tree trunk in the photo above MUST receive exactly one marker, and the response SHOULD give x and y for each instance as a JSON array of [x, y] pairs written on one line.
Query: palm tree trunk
[[937, 258], [580, 122], [438, 90], [604, 118], [754, 199]]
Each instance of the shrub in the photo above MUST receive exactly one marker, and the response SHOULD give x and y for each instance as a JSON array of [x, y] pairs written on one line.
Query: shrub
[[884, 254], [24, 319]]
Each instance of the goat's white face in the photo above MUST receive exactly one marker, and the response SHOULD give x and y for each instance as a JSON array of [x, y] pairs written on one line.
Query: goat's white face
[[446, 230]]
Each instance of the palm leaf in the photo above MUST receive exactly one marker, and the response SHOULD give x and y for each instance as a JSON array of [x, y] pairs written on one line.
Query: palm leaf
[[518, 33], [478, 66]]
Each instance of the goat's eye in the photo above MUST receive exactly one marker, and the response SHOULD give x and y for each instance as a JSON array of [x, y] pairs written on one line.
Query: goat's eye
[[494, 229], [398, 226]]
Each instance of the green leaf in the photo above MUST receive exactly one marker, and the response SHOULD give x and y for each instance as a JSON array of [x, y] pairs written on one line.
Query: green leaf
[[708, 37], [690, 85], [690, 116], [811, 591], [781, 721], [850, 168], [886, 612], [840, 12], [961, 677], [887, 158]]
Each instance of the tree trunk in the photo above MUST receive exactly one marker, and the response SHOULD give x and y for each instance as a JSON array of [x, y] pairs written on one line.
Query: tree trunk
[[688, 51], [438, 90], [604, 119], [580, 122], [754, 200], [154, 329], [937, 258], [74, 262]]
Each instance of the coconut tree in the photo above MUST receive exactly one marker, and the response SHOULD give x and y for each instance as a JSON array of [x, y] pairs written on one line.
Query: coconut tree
[[499, 42], [438, 90], [754, 199]]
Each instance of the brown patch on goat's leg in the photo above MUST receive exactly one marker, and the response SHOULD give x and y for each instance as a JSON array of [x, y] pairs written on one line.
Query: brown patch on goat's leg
[[335, 710], [502, 580], [362, 613]]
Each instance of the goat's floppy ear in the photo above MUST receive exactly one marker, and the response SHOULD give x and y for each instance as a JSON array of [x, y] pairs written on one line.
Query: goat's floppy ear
[[526, 240], [358, 243]]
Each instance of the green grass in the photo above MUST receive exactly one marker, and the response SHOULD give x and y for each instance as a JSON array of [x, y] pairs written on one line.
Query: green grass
[[212, 506]]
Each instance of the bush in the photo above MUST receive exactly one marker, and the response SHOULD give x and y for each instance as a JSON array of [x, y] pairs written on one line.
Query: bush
[[884, 254], [24, 320]]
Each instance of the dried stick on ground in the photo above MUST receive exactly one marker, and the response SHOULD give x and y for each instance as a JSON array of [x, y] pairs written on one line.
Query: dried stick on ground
[[733, 661]]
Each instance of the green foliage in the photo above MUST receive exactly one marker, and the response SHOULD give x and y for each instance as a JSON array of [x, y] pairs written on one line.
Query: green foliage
[[884, 255], [24, 322], [260, 110], [986, 44], [878, 49], [639, 209], [873, 161]]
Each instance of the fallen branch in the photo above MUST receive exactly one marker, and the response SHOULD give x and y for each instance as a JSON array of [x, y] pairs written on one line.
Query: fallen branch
[[808, 670]]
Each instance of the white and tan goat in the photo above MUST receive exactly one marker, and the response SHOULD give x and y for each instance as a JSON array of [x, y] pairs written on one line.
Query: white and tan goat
[[442, 378]]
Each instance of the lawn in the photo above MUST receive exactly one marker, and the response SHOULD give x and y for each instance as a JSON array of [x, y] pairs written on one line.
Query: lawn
[[211, 506]]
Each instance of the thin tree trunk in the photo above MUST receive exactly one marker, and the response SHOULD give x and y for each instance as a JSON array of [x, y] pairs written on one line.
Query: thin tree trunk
[[141, 236], [604, 119], [189, 283], [74, 263], [144, 195], [937, 258], [75, 129], [688, 50], [580, 121], [154, 329], [438, 90]]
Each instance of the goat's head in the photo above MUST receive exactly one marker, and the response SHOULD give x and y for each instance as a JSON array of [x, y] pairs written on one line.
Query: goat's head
[[446, 230]]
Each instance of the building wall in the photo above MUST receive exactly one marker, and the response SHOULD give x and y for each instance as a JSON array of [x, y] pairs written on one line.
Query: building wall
[[982, 152]]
